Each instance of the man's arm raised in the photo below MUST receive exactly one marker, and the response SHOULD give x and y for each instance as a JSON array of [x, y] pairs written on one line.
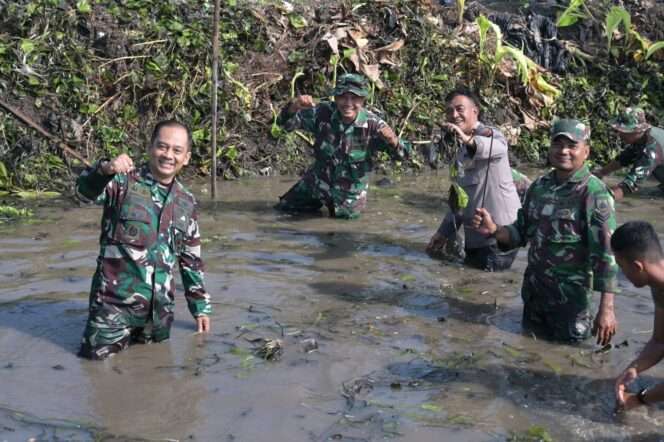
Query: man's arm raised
[[93, 181]]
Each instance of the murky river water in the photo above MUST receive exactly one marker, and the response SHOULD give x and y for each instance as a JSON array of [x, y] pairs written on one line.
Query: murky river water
[[408, 348]]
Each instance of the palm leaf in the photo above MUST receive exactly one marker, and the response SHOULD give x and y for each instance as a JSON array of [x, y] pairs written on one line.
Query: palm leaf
[[654, 48], [522, 62], [572, 14], [461, 4], [614, 19]]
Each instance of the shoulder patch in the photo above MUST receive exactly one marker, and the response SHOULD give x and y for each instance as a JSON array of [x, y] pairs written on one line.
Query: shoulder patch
[[604, 208]]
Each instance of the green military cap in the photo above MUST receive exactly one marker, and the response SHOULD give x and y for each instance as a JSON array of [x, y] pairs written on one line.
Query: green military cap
[[573, 129], [632, 119], [353, 83]]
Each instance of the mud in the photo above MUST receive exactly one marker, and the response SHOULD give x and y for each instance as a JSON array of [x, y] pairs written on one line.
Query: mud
[[407, 347]]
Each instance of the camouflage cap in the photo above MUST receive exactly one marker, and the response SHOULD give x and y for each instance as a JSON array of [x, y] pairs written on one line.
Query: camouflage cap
[[632, 119], [573, 129], [353, 83]]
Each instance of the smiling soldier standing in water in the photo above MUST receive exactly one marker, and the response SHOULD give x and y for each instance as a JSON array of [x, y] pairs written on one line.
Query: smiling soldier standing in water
[[346, 138], [568, 218], [149, 224]]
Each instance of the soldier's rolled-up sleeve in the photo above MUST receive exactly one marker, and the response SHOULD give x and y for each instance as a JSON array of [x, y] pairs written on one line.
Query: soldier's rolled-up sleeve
[[485, 147], [640, 171], [601, 222], [191, 270], [94, 188], [304, 119]]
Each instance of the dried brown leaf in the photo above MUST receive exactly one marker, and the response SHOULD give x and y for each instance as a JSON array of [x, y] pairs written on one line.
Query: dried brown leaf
[[359, 38], [372, 71], [392, 47], [332, 42]]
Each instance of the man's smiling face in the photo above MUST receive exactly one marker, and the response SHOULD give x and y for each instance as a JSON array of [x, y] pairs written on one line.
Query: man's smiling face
[[169, 153]]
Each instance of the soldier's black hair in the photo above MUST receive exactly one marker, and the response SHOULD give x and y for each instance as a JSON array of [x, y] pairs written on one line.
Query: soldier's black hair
[[637, 240], [465, 92], [170, 123]]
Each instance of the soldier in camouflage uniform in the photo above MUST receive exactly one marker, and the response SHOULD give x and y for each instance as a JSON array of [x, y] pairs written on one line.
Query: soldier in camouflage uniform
[[149, 224], [346, 138], [568, 218], [644, 152]]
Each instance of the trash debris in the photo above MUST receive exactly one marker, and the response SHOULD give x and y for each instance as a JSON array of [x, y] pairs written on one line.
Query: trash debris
[[309, 345], [268, 349]]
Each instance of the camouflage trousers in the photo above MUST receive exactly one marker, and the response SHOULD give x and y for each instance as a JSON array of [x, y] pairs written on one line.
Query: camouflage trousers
[[112, 327], [556, 310], [311, 193]]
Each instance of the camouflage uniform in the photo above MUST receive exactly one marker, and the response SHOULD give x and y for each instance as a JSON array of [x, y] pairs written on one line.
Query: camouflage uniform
[[521, 182], [146, 229], [339, 177], [568, 226], [646, 156]]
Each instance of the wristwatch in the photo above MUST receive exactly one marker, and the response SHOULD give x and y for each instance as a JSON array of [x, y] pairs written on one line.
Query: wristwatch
[[641, 395]]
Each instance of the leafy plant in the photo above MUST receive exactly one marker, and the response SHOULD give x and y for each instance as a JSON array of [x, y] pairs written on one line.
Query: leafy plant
[[5, 181], [617, 16], [654, 48], [527, 70], [533, 434], [10, 212], [572, 14], [460, 4], [641, 47]]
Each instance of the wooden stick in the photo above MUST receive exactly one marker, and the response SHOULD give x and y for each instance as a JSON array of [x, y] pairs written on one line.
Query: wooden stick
[[405, 121], [145, 43], [215, 85], [104, 104], [30, 122], [128, 57]]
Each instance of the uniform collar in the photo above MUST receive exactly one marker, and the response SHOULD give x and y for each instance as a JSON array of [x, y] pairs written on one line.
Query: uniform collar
[[577, 177], [145, 175], [360, 120]]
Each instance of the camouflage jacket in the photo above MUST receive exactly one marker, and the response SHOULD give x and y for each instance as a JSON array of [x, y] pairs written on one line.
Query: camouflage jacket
[[344, 153], [643, 157], [569, 227], [142, 237]]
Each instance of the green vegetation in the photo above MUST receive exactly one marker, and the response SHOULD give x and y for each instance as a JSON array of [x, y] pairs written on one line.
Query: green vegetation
[[8, 213], [100, 73], [533, 434], [574, 12]]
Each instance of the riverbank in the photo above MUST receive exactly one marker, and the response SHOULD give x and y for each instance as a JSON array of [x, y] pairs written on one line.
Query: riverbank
[[98, 75]]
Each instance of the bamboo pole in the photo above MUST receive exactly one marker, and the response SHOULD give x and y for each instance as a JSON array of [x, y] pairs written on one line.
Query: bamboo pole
[[215, 85]]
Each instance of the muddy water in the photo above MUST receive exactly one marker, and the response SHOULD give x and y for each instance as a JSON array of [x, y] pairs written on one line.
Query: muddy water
[[408, 348]]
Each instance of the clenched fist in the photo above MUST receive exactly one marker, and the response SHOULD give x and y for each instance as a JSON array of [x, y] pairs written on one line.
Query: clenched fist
[[120, 164]]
